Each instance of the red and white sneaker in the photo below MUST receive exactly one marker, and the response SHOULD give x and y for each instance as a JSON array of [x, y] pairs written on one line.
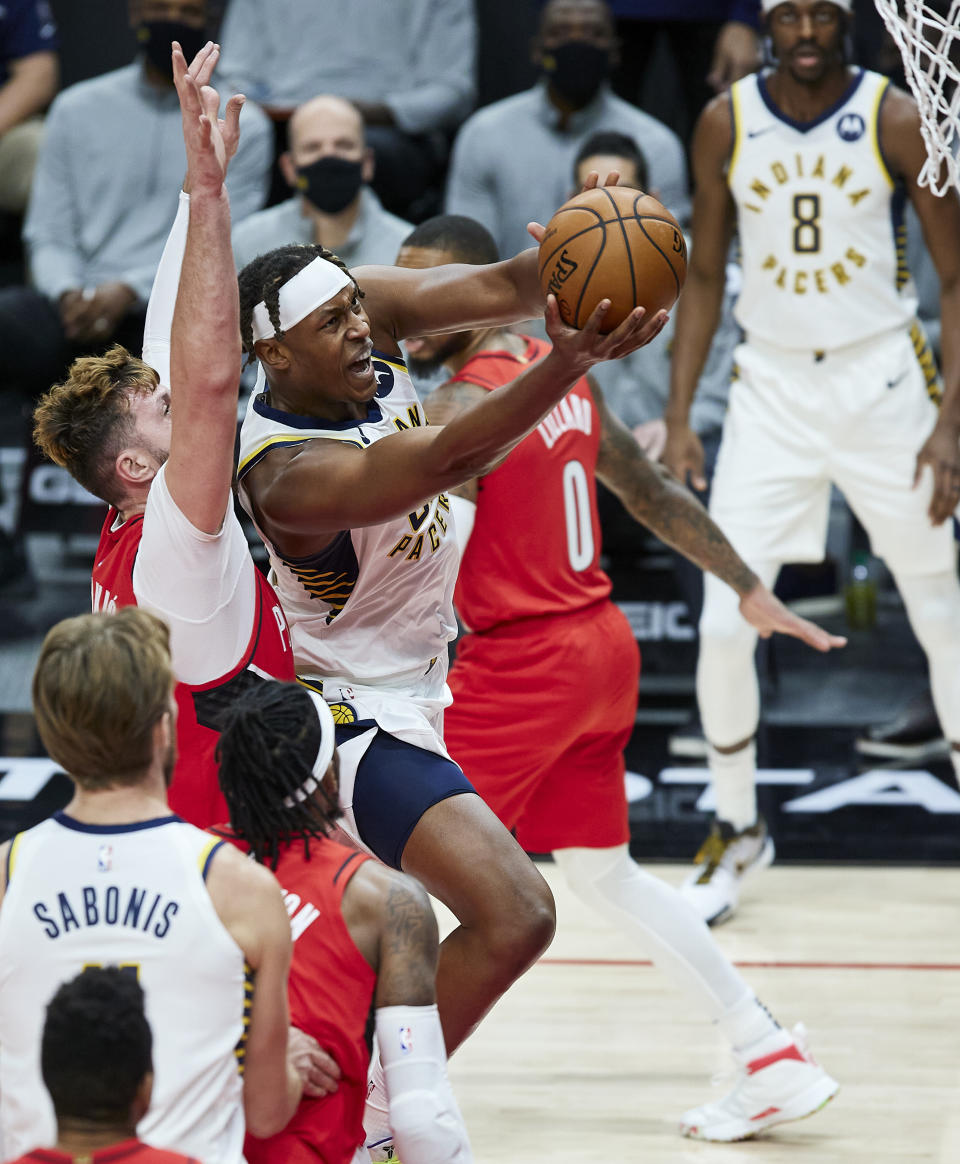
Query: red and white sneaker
[[780, 1081]]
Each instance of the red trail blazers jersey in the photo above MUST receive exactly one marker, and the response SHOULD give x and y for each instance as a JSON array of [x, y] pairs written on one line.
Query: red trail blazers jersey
[[542, 497], [331, 992], [195, 793]]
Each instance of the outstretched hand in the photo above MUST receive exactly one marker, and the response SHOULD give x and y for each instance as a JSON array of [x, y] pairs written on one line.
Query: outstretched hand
[[767, 615], [587, 345], [210, 141]]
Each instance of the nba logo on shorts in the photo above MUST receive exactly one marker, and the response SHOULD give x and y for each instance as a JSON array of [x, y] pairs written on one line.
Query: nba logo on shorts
[[105, 858], [851, 127], [406, 1040]]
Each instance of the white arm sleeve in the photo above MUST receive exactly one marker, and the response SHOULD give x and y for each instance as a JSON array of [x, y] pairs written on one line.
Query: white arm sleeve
[[425, 1121], [163, 295], [202, 585], [464, 514]]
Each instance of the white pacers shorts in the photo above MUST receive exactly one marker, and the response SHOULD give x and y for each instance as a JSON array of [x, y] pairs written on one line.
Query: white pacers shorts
[[855, 417]]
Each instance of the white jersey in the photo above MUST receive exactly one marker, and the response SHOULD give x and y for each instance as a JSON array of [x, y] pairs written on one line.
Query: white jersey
[[131, 896], [820, 223], [375, 606]]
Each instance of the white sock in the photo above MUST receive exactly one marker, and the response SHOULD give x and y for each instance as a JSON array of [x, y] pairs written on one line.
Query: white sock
[[668, 928], [747, 1023], [376, 1113], [734, 776]]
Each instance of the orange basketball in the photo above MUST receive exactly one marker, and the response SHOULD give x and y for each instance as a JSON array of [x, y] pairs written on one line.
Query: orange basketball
[[612, 243]]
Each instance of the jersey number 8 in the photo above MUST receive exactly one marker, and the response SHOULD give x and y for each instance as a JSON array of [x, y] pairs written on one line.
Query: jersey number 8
[[806, 231]]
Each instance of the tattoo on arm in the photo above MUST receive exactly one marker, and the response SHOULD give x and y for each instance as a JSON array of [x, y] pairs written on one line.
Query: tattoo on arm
[[409, 948], [449, 400], [655, 498]]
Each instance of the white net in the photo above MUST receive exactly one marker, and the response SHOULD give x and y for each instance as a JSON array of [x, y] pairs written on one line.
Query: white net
[[927, 33]]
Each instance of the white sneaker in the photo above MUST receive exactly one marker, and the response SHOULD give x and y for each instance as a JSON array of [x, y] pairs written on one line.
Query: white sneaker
[[383, 1151], [780, 1081], [726, 859]]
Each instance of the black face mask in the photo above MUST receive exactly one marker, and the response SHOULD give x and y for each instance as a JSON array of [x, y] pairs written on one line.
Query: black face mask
[[330, 183], [154, 37], [576, 70]]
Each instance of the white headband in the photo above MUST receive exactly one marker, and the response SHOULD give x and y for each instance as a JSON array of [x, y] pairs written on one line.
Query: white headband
[[769, 5], [319, 281], [324, 756]]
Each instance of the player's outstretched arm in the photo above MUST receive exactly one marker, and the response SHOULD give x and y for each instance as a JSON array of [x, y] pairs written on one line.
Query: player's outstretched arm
[[392, 923], [457, 296], [654, 497], [454, 297], [205, 338], [698, 310], [940, 219], [321, 490], [249, 902]]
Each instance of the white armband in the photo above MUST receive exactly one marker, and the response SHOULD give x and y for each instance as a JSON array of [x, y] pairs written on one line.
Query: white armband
[[425, 1121], [464, 514]]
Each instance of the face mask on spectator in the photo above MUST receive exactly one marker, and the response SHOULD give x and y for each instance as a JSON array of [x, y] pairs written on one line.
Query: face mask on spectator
[[330, 183], [576, 69], [154, 37]]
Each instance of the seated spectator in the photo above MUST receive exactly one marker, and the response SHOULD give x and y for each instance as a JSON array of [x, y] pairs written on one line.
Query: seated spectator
[[96, 1058], [512, 160], [330, 166], [372, 957], [29, 74], [409, 68], [104, 193]]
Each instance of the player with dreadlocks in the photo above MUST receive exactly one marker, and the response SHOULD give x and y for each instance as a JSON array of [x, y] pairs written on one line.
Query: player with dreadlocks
[[373, 947]]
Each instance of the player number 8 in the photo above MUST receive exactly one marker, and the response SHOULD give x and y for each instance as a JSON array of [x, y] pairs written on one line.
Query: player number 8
[[806, 215]]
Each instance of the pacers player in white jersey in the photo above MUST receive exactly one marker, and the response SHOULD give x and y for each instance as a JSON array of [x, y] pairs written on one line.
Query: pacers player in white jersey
[[345, 481], [117, 879], [810, 162]]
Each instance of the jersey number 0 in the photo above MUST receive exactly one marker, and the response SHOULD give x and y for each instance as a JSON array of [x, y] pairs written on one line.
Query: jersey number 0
[[576, 508]]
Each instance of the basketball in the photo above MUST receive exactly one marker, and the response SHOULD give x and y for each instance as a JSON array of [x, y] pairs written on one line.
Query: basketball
[[612, 243]]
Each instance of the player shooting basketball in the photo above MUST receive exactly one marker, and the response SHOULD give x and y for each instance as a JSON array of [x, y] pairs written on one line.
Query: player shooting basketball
[[345, 482], [811, 160]]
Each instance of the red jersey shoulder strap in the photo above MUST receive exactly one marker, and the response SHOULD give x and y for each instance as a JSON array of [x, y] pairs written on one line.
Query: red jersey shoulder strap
[[495, 367]]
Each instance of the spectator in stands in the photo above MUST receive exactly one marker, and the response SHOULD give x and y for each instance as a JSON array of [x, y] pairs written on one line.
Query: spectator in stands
[[330, 166], [104, 193], [712, 43], [409, 68], [96, 1058], [29, 74], [512, 160]]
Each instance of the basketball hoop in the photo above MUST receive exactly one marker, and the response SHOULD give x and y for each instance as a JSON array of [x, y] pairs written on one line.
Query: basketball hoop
[[929, 43]]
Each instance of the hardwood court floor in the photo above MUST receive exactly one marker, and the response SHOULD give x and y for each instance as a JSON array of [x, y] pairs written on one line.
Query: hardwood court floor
[[593, 1055]]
